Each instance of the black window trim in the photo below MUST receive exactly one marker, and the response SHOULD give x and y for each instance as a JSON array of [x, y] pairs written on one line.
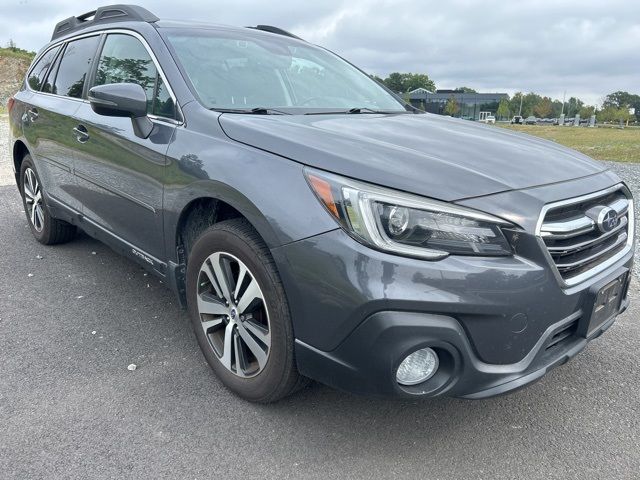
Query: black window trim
[[37, 60], [159, 73], [179, 120]]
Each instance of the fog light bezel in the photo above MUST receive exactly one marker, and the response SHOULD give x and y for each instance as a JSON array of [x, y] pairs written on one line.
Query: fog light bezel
[[423, 379]]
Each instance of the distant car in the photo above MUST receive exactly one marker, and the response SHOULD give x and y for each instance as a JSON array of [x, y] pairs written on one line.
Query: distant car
[[517, 119], [531, 120], [489, 119]]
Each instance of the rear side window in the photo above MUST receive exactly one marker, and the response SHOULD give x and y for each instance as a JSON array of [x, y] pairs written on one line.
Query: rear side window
[[39, 70], [124, 59], [74, 67]]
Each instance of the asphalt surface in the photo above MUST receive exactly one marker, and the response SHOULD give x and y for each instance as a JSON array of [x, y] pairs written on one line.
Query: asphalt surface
[[73, 320]]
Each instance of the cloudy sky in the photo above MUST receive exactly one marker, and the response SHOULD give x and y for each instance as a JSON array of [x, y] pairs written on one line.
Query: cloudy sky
[[587, 47]]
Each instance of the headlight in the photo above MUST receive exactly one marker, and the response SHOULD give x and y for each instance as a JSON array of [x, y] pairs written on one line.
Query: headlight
[[407, 224]]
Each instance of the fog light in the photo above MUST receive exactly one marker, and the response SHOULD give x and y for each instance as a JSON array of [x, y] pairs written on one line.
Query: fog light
[[417, 367]]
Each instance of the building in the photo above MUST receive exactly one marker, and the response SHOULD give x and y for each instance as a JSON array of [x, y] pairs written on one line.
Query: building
[[470, 104]]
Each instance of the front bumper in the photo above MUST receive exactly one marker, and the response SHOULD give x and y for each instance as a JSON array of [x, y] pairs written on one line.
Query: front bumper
[[367, 361], [497, 324]]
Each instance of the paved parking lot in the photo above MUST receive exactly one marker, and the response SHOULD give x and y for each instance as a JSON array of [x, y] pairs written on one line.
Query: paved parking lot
[[72, 318]]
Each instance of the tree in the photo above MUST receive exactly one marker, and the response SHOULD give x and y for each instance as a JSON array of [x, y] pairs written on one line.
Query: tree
[[529, 101], [623, 99], [586, 111], [465, 90], [613, 114], [452, 107], [503, 109], [395, 82], [377, 78], [557, 108], [543, 108], [573, 107], [418, 80], [11, 45], [406, 82]]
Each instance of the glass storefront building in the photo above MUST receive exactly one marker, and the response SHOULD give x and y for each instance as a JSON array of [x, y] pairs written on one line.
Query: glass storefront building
[[470, 104]]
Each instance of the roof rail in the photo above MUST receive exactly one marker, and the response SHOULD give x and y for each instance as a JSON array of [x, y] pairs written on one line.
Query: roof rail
[[276, 30], [108, 14]]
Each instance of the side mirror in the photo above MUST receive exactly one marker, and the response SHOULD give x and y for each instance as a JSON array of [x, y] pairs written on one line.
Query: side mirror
[[122, 100]]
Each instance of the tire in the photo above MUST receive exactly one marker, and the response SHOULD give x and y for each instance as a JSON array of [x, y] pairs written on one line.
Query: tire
[[248, 341], [46, 229]]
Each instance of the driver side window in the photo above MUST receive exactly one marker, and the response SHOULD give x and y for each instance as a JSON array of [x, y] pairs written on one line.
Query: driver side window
[[124, 59]]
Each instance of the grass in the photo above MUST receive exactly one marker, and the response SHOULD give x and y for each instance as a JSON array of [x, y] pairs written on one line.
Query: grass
[[620, 145], [17, 53]]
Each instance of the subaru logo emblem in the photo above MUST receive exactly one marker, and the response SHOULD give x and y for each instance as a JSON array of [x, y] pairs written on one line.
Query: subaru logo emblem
[[607, 219]]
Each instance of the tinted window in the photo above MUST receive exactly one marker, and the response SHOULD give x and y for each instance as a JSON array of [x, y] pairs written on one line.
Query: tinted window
[[163, 103], [124, 59], [48, 83], [74, 66], [230, 69], [36, 77]]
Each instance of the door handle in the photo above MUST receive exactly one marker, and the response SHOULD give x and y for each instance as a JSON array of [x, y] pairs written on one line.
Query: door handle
[[32, 113], [81, 133]]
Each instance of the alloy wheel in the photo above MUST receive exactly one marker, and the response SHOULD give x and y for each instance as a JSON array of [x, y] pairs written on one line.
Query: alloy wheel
[[233, 314], [33, 199]]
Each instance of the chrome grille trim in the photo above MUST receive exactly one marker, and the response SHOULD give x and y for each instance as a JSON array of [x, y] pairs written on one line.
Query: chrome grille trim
[[555, 236]]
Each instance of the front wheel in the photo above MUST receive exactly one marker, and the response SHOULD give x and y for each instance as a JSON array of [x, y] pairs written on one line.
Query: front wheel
[[240, 312], [46, 229]]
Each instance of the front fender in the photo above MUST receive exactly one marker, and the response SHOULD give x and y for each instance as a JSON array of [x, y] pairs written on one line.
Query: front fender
[[270, 191]]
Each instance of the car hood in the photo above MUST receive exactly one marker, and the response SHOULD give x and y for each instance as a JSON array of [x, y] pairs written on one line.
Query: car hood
[[429, 155]]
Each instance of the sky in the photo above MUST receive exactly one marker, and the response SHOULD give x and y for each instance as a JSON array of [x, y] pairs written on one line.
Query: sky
[[587, 48]]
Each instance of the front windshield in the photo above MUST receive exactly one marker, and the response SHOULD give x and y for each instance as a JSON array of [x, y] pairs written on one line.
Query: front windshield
[[232, 70]]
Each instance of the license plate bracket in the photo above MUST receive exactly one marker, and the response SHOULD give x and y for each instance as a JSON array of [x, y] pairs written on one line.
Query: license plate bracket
[[607, 301]]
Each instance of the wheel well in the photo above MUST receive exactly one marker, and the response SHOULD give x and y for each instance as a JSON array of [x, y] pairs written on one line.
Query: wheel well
[[19, 152], [197, 216]]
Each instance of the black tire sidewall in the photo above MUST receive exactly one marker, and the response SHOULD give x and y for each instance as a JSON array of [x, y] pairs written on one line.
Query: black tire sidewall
[[219, 238], [27, 162]]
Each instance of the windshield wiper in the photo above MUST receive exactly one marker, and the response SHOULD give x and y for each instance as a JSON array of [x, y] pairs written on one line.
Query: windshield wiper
[[253, 111], [357, 110], [268, 111]]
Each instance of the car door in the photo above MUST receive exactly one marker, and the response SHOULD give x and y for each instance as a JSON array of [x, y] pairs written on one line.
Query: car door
[[120, 175], [48, 120]]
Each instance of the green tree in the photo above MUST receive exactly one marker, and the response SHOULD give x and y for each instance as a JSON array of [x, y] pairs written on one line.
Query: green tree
[[529, 101], [452, 107], [11, 45], [543, 108], [557, 108], [405, 82], [586, 111], [465, 90], [573, 107], [395, 82], [418, 80], [503, 109], [613, 114], [623, 99]]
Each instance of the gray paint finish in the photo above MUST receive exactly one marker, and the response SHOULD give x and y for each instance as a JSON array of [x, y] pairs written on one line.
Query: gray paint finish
[[430, 155], [134, 197]]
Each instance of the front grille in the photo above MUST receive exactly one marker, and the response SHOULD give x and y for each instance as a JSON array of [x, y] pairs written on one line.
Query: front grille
[[585, 234]]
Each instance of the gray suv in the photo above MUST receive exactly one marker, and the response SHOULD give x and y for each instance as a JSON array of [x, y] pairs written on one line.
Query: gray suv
[[312, 223]]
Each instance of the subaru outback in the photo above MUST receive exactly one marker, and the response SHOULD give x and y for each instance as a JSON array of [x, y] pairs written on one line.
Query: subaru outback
[[314, 225]]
